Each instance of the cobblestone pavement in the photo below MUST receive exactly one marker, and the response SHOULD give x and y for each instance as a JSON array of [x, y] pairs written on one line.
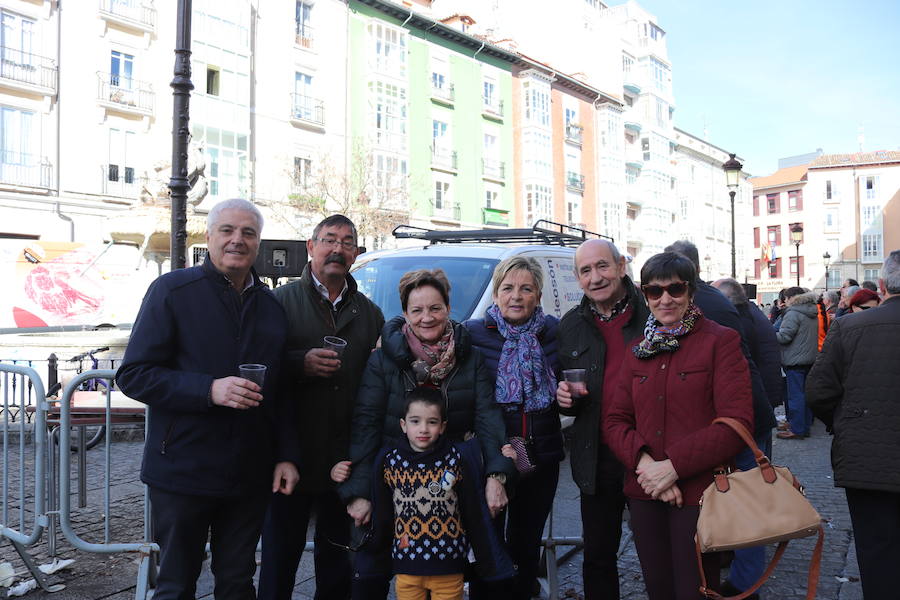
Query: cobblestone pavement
[[112, 577]]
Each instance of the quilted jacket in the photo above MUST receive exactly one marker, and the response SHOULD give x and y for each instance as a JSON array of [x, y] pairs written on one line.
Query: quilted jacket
[[798, 332], [854, 387], [665, 406]]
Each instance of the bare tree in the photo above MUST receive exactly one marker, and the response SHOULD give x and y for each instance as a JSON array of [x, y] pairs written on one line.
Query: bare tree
[[368, 192]]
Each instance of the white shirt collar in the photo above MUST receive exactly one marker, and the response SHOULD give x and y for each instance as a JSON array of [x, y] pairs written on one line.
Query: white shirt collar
[[324, 290]]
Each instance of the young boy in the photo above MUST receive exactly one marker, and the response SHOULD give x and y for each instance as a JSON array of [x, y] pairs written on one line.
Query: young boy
[[431, 497]]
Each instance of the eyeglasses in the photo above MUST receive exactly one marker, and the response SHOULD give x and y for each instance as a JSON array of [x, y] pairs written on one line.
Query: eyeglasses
[[862, 306], [333, 243], [367, 536], [655, 292]]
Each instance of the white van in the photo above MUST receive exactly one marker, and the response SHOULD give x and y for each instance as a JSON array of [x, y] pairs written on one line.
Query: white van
[[468, 258]]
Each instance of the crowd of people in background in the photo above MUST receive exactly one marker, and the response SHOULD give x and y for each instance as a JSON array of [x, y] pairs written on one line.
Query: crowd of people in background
[[429, 450]]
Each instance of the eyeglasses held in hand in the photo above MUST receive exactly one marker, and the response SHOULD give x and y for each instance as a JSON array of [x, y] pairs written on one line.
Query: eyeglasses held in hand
[[655, 292], [367, 536], [333, 243]]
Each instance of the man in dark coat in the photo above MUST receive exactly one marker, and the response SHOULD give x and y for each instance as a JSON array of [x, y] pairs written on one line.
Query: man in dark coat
[[854, 387], [213, 438], [595, 336], [323, 302]]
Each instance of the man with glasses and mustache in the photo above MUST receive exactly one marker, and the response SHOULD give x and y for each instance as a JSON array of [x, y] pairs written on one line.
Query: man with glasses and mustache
[[595, 336], [323, 302]]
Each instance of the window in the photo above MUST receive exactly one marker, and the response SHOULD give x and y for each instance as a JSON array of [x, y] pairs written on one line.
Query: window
[[772, 203], [489, 93], [19, 144], [17, 42], [755, 198], [306, 106], [388, 49], [828, 190], [388, 113], [795, 200], [645, 148], [756, 237], [834, 277], [571, 116], [538, 203], [573, 209], [537, 154], [121, 69], [662, 113], [773, 234], [120, 171], [491, 148], [491, 198], [537, 102], [871, 274], [627, 64], [439, 74], [831, 219], [440, 138], [302, 172], [795, 265], [304, 30], [390, 180], [871, 247], [212, 81], [226, 160], [870, 214], [659, 75], [871, 187], [442, 196]]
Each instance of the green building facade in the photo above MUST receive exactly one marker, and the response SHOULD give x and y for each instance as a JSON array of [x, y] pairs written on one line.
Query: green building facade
[[431, 110]]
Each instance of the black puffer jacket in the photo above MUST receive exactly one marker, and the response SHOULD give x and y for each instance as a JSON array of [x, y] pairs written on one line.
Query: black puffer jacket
[[542, 427], [581, 346], [854, 387], [468, 391]]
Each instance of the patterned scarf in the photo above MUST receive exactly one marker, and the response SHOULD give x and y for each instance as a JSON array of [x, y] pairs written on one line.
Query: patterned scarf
[[433, 362], [662, 338], [523, 374]]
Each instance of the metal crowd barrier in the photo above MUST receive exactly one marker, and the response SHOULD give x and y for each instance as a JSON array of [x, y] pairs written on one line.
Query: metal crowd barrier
[[15, 380], [146, 548]]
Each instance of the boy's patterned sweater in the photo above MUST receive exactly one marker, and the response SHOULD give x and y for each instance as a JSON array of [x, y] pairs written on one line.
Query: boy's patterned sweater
[[428, 534]]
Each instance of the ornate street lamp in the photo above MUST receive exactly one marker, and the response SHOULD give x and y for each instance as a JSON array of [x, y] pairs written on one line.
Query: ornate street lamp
[[826, 258], [732, 179], [181, 133], [797, 238]]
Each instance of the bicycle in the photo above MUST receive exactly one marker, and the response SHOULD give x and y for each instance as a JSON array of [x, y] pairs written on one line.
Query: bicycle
[[91, 385]]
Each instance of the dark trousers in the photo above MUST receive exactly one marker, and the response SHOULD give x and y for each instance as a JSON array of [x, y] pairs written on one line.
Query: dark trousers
[[601, 520], [528, 512], [749, 563], [876, 532], [182, 525], [799, 416], [284, 537], [664, 539]]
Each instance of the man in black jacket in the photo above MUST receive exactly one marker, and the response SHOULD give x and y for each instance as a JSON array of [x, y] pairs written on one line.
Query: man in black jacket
[[595, 336], [214, 438], [854, 388], [323, 302]]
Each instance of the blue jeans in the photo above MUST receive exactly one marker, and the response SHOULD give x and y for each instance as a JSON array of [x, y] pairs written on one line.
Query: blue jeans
[[798, 414], [749, 563]]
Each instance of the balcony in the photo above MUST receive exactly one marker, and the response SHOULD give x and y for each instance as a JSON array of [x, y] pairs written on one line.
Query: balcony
[[574, 133], [129, 13], [493, 170], [28, 170], [125, 95], [28, 72], [304, 36], [444, 211], [633, 126], [444, 94], [119, 180], [495, 216], [308, 112], [443, 159], [492, 109], [575, 182]]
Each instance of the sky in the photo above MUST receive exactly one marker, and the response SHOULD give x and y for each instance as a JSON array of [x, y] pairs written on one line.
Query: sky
[[769, 79]]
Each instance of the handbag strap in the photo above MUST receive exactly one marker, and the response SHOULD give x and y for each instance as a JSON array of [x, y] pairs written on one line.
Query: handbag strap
[[812, 580], [766, 469]]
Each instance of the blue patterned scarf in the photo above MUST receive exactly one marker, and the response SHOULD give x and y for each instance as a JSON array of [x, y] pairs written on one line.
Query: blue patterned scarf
[[661, 338], [523, 374]]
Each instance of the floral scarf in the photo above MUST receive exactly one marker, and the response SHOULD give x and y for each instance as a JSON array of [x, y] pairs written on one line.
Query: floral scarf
[[661, 338], [431, 362], [523, 375]]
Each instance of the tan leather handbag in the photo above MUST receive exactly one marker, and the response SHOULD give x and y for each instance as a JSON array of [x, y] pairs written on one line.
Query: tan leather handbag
[[761, 506]]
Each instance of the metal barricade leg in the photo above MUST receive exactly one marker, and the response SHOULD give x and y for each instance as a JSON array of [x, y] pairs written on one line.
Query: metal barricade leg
[[38, 575], [53, 490], [82, 468]]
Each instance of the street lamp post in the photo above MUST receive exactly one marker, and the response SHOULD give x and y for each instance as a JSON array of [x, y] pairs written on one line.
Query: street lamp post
[[732, 179], [826, 258], [797, 238], [179, 184]]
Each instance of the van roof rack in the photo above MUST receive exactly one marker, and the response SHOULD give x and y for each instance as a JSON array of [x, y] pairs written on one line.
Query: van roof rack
[[542, 232]]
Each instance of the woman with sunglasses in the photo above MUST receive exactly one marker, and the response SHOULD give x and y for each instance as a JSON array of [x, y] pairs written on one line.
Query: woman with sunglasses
[[686, 371]]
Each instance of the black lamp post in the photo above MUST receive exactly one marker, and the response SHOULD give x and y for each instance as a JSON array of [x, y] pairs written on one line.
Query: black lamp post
[[826, 258], [797, 238], [179, 184], [732, 179]]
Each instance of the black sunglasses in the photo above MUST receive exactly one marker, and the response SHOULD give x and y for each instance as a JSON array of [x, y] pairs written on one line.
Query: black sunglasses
[[655, 292]]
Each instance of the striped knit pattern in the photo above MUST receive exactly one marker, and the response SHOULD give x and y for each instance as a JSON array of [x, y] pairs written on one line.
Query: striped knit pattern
[[428, 536]]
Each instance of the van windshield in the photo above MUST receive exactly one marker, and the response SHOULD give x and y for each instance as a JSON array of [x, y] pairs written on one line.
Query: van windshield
[[469, 277]]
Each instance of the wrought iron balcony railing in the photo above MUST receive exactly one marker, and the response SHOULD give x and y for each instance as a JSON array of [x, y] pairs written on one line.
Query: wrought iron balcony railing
[[24, 67], [493, 169], [575, 181], [132, 10], [17, 168], [307, 108], [442, 157], [130, 94]]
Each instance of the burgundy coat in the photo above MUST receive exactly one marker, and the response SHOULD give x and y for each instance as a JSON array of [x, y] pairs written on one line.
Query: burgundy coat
[[665, 405]]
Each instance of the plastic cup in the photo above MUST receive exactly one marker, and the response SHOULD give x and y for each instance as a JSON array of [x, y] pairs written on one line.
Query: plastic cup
[[576, 378], [331, 342], [253, 372]]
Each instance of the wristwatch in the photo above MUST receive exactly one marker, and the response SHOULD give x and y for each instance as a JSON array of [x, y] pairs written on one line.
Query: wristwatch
[[501, 477]]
